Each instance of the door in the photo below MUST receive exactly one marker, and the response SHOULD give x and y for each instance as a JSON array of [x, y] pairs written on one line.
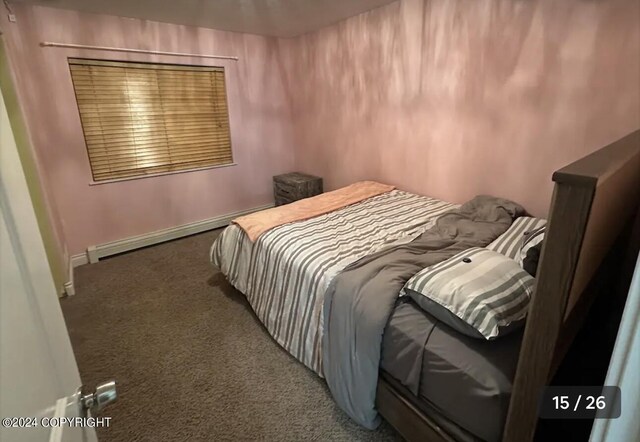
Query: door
[[623, 372], [39, 378]]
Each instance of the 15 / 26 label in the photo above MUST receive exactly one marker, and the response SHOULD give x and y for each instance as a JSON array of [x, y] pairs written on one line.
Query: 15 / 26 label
[[586, 402]]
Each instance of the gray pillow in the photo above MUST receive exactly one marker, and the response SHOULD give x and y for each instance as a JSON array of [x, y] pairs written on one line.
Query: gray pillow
[[478, 292]]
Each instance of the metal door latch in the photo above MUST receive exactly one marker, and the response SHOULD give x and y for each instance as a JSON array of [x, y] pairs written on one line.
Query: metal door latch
[[104, 394]]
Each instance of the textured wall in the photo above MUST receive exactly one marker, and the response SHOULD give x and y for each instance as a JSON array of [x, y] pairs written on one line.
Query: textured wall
[[89, 215], [46, 212], [444, 97], [457, 97]]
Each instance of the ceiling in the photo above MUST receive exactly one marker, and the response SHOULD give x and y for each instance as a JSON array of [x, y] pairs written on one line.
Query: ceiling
[[281, 18]]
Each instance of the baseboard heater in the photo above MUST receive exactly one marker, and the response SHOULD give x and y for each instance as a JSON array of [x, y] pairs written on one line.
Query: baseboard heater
[[94, 253]]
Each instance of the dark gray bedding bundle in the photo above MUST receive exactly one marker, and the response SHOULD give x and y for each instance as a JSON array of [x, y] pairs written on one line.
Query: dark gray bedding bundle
[[360, 299], [462, 383]]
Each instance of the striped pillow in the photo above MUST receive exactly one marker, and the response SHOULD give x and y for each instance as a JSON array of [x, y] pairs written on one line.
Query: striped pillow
[[530, 240], [510, 242], [478, 292]]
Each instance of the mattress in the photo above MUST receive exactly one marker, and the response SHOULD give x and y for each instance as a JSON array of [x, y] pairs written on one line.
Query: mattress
[[285, 273], [463, 382]]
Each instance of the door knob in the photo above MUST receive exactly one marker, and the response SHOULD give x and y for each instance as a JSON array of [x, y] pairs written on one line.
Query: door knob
[[104, 394]]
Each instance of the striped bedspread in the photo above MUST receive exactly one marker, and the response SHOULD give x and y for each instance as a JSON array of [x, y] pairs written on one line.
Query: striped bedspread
[[286, 272]]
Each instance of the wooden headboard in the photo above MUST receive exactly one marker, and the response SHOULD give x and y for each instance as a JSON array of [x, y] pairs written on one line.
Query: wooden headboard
[[594, 198]]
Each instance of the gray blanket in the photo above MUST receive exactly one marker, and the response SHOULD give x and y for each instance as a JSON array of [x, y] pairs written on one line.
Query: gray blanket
[[360, 300]]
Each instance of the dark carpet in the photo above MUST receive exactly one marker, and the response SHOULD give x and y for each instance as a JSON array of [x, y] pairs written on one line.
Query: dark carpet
[[191, 360]]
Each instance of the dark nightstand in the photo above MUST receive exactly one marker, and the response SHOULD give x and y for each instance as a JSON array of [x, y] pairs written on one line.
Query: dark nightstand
[[295, 186]]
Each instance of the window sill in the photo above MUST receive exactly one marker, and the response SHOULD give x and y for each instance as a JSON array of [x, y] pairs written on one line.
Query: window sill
[[153, 175]]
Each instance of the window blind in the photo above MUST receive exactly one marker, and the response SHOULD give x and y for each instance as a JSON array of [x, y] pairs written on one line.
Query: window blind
[[140, 119]]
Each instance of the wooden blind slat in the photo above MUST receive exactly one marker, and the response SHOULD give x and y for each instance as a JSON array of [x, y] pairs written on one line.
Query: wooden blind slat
[[144, 138], [141, 113], [140, 119], [175, 136], [155, 150], [103, 160], [153, 146], [149, 126], [127, 164], [107, 121], [122, 145], [158, 151], [141, 171]]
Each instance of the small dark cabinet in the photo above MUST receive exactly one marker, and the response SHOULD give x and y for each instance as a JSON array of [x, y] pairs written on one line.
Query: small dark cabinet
[[295, 186]]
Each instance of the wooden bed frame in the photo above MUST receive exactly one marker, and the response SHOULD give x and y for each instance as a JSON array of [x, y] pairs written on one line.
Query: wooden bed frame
[[593, 200]]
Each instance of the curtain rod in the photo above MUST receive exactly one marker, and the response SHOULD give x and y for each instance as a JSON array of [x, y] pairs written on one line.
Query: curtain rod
[[136, 51]]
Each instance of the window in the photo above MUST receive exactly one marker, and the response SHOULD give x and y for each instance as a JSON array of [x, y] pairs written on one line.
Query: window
[[141, 119]]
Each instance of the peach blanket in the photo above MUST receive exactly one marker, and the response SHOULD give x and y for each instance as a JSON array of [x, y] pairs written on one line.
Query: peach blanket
[[256, 224]]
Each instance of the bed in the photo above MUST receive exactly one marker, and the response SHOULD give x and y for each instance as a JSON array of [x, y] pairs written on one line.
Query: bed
[[453, 366], [287, 273]]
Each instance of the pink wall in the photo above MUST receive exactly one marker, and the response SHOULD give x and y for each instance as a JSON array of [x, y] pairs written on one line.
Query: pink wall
[[447, 97], [89, 215], [457, 97]]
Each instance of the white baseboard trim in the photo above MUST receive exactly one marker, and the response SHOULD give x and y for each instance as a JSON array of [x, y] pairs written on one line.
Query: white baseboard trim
[[94, 253], [79, 260], [68, 287]]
